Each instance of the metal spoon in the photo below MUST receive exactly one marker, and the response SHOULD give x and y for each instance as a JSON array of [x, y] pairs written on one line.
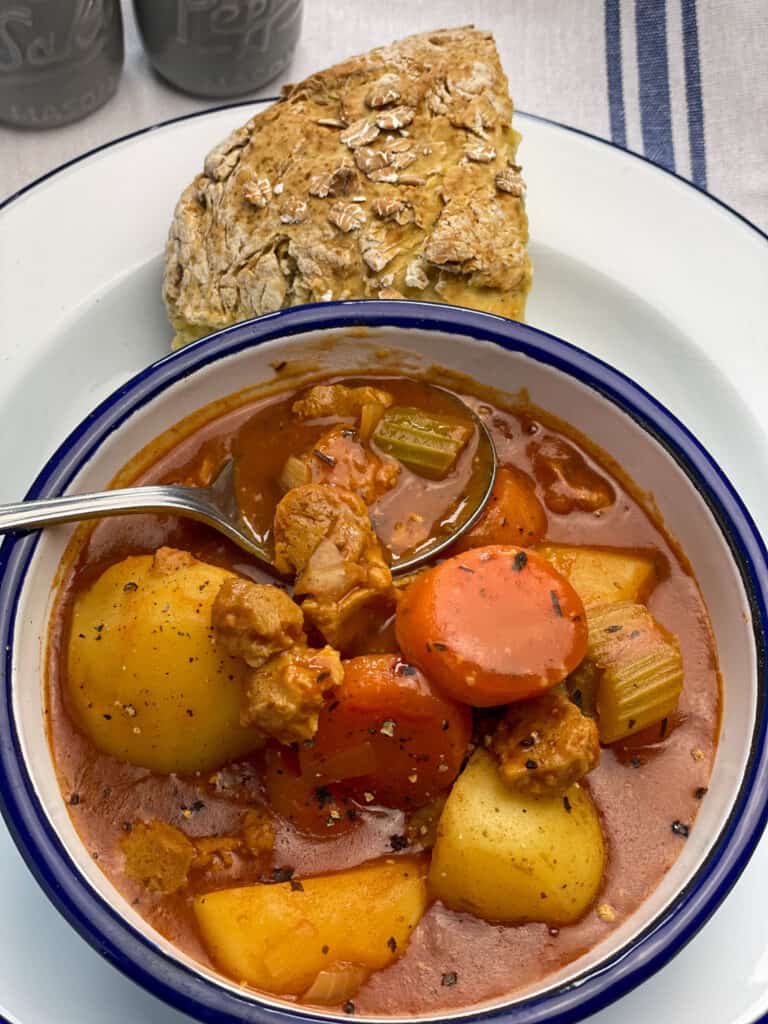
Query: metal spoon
[[217, 506]]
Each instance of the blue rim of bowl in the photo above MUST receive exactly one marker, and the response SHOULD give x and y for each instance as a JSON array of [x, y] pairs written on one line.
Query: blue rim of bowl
[[193, 993]]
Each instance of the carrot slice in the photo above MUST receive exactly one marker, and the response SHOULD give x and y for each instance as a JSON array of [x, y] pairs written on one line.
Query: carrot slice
[[386, 734], [494, 625], [513, 515]]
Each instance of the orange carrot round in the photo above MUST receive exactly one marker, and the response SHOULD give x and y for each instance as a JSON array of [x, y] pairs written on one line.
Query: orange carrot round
[[491, 626], [386, 734], [513, 515]]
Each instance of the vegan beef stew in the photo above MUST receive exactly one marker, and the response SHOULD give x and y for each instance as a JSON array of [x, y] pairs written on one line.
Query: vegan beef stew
[[382, 794]]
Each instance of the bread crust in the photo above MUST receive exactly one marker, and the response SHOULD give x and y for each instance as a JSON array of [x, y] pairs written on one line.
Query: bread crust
[[390, 175]]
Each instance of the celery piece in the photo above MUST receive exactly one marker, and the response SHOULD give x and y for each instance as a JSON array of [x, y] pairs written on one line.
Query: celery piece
[[637, 668], [427, 443]]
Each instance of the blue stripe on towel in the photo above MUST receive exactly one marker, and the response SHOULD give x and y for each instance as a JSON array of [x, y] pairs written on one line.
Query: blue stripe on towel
[[655, 113], [693, 94], [613, 70]]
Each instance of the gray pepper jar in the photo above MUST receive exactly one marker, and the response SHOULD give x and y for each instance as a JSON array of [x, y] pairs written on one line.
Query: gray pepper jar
[[59, 59], [219, 47]]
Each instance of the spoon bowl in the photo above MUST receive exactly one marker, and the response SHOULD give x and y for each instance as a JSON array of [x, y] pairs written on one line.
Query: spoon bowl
[[217, 506]]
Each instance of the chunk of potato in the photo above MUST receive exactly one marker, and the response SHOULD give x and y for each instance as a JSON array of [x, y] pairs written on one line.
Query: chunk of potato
[[281, 937], [147, 681], [603, 575], [508, 857]]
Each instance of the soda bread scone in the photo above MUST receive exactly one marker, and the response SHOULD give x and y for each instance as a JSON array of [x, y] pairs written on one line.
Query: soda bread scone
[[391, 175]]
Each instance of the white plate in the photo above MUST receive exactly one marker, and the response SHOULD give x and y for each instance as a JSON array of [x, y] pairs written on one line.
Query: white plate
[[631, 263]]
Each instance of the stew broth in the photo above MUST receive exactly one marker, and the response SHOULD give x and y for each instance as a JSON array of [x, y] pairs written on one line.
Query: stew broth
[[642, 787]]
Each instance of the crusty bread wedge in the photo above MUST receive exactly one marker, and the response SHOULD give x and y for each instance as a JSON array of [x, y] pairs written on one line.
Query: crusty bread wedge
[[392, 175]]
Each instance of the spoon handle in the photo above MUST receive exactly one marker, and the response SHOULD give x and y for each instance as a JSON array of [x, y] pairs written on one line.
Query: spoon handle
[[29, 515]]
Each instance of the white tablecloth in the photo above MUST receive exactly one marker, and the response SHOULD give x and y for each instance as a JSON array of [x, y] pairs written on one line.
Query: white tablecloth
[[682, 81]]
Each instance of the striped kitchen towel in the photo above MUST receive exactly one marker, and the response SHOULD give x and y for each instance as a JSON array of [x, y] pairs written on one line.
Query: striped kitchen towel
[[684, 82]]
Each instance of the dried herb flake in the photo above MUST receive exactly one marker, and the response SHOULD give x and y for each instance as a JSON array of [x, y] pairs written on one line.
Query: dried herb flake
[[282, 874]]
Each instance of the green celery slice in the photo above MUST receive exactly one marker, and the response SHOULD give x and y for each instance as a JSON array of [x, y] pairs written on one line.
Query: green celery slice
[[426, 443]]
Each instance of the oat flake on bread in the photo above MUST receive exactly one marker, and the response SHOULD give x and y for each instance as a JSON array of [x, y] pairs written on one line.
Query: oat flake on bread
[[390, 175]]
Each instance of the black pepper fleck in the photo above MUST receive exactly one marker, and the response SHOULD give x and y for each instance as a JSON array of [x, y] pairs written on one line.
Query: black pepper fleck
[[327, 459], [681, 829], [529, 741], [567, 804], [392, 943], [398, 842], [348, 1007], [636, 762], [614, 628], [449, 979], [519, 561], [531, 765], [556, 603], [296, 886], [700, 793], [664, 724], [74, 799], [282, 874], [323, 796], [439, 646], [130, 585]]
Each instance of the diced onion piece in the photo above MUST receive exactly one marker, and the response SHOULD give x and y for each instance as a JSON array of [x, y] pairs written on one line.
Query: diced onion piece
[[638, 665], [370, 414], [295, 473], [427, 444], [336, 985], [328, 573]]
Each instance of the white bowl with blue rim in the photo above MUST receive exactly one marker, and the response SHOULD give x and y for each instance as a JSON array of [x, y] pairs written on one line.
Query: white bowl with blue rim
[[699, 507]]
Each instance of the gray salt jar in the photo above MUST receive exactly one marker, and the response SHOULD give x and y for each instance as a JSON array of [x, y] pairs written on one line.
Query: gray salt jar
[[59, 59], [219, 48]]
